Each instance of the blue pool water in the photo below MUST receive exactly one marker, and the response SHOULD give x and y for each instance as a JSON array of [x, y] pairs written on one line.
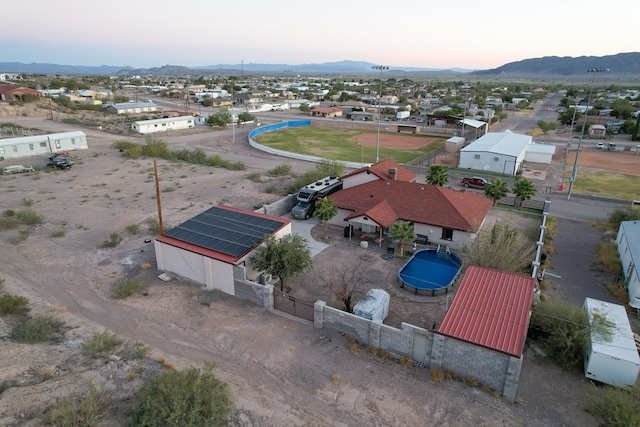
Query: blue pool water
[[429, 270]]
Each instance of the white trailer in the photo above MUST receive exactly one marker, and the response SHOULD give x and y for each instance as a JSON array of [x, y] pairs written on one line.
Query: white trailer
[[402, 115], [615, 361]]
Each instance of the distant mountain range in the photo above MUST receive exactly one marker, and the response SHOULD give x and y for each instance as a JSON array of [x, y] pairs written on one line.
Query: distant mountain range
[[622, 64]]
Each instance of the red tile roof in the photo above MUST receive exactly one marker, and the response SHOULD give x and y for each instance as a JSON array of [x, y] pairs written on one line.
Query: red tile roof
[[387, 201], [491, 309], [381, 170]]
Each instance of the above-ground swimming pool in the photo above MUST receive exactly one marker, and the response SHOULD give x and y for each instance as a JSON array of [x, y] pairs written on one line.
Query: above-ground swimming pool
[[430, 271]]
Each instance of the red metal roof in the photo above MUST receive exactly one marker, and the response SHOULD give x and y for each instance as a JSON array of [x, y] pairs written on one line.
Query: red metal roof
[[491, 309], [387, 201]]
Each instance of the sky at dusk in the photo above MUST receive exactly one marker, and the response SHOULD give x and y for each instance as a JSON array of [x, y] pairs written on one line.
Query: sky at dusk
[[411, 33]]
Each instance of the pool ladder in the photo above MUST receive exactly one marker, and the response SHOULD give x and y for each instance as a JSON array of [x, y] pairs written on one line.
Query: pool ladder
[[443, 252]]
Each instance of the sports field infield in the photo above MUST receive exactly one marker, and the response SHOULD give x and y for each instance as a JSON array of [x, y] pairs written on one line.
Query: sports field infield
[[350, 145]]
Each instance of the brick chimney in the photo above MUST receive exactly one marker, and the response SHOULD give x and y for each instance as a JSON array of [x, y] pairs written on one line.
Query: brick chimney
[[393, 173]]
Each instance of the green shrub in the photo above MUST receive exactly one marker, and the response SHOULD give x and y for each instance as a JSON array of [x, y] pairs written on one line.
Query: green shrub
[[58, 233], [125, 289], [13, 304], [133, 229], [8, 223], [135, 350], [100, 343], [29, 217], [154, 225], [254, 176], [87, 411], [615, 406], [623, 214], [41, 328], [187, 398], [27, 202], [113, 241], [280, 170]]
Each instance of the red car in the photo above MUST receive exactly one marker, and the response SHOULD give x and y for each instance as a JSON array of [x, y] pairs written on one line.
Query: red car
[[474, 182]]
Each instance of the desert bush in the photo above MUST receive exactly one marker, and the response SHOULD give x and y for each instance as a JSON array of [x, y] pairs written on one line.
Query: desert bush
[[29, 217], [58, 233], [615, 406], [133, 229], [254, 176], [125, 289], [437, 375], [623, 214], [27, 202], [41, 328], [87, 410], [280, 170], [100, 343], [113, 241], [608, 256], [154, 225], [188, 398], [272, 189], [13, 304], [8, 220]]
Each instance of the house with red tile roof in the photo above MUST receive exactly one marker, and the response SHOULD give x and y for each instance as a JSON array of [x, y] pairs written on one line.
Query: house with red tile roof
[[385, 170], [440, 215], [18, 93]]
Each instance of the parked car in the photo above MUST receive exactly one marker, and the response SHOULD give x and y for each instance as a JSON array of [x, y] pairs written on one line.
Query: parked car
[[61, 163], [600, 146], [10, 170], [59, 155], [474, 182]]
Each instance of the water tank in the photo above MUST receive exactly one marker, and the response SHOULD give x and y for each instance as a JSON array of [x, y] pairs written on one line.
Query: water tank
[[374, 305]]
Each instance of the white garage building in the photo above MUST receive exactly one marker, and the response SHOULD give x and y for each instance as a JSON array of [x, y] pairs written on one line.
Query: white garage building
[[503, 152], [208, 247]]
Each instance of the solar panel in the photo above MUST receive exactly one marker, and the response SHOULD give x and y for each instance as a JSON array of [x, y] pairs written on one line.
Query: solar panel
[[222, 230]]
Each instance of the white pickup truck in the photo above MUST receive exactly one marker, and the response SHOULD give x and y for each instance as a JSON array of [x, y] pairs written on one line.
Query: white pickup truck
[[10, 170]]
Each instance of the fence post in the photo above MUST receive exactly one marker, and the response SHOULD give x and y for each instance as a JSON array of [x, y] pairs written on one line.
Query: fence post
[[318, 313]]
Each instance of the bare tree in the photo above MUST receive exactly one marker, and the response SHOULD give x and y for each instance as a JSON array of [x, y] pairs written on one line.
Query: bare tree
[[502, 247], [344, 278]]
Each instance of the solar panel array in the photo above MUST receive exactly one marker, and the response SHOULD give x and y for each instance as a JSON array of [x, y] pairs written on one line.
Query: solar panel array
[[226, 231]]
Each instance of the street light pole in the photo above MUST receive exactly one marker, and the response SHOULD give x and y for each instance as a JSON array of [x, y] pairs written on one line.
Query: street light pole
[[584, 123], [381, 68]]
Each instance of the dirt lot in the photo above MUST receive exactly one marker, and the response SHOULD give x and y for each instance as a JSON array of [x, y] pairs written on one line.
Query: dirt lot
[[281, 371]]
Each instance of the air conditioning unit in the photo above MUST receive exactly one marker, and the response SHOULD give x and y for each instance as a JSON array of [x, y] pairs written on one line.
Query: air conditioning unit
[[266, 278]]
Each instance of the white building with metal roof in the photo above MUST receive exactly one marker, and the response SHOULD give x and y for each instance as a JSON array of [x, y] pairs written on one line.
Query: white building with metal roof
[[628, 245], [501, 152], [164, 125], [132, 108], [27, 146]]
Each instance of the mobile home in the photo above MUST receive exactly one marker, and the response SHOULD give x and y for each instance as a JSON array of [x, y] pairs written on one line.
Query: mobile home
[[27, 146]]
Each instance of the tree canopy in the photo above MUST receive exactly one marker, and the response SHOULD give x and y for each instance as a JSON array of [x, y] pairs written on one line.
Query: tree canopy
[[283, 257], [402, 232], [496, 190], [524, 190], [438, 175], [221, 119], [325, 210]]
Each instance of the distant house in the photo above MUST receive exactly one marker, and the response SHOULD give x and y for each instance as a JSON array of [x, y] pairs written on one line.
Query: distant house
[[628, 245], [164, 125], [132, 108], [441, 215], [326, 112], [18, 93], [597, 131], [208, 247], [27, 146]]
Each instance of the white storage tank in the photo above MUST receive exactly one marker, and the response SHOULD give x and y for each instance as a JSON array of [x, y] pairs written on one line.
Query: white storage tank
[[374, 306]]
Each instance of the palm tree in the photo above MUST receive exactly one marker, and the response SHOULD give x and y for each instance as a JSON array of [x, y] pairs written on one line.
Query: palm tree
[[524, 190], [402, 232], [438, 175], [496, 190], [325, 210]]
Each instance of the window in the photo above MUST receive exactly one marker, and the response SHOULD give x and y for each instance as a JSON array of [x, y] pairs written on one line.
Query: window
[[477, 156], [73, 141], [57, 143], [31, 147], [1, 150], [14, 148], [43, 144], [447, 234], [495, 159]]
